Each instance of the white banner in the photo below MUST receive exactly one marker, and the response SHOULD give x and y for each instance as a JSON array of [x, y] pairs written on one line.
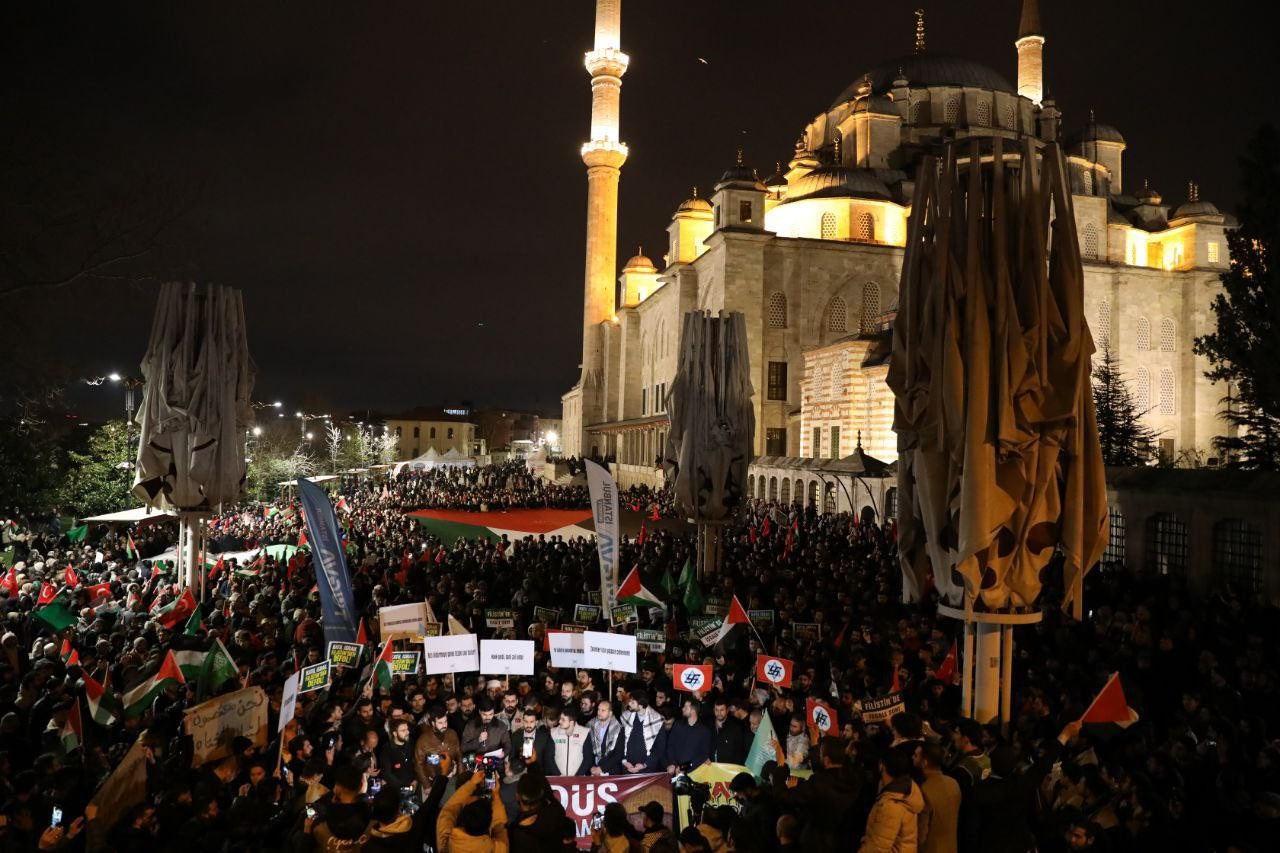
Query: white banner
[[216, 723], [451, 653], [506, 657], [289, 703], [567, 649], [609, 651], [604, 511], [402, 621]]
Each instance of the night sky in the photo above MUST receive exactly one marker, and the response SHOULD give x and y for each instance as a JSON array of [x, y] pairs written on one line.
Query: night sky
[[396, 186]]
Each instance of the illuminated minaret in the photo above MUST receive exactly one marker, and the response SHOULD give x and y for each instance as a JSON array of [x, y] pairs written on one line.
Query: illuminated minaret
[[604, 155], [1030, 46]]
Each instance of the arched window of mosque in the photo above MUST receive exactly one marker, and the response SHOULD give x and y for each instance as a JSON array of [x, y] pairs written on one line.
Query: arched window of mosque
[[1090, 239], [916, 109], [870, 306], [1086, 180], [866, 228], [1168, 335], [1010, 118], [827, 228], [1167, 401], [1142, 394], [984, 114], [1143, 334], [777, 312], [1103, 332], [837, 315], [952, 112]]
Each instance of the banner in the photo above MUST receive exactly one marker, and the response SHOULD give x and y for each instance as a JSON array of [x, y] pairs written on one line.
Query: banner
[[451, 653], [337, 604], [717, 777], [124, 789], [405, 663], [499, 618], [583, 797], [587, 614], [807, 631], [402, 621], [288, 702], [651, 640], [567, 649], [216, 723], [609, 651], [691, 677], [546, 615], [344, 655], [774, 671], [604, 511], [314, 677], [506, 657], [623, 614], [431, 629], [882, 709], [762, 620]]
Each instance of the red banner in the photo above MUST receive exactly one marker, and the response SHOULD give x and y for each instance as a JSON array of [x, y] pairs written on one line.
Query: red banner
[[583, 797]]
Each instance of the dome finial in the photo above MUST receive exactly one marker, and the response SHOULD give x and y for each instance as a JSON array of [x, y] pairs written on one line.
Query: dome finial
[[919, 30], [695, 191], [739, 160], [1193, 191]]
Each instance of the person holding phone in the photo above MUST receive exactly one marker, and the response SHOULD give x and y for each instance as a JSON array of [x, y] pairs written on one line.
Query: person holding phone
[[472, 820], [612, 832], [530, 741]]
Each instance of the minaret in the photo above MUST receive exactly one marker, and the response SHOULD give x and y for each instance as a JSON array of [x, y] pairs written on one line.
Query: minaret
[[604, 155], [1030, 46]]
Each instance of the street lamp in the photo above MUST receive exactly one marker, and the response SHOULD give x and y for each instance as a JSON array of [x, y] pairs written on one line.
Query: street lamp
[[257, 431]]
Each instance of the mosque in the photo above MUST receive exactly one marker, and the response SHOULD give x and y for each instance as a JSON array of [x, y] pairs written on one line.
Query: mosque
[[811, 256]]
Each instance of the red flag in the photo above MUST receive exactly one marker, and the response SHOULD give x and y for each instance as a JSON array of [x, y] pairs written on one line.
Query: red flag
[[302, 537], [362, 633], [774, 671], [440, 555], [947, 672], [791, 538], [821, 718], [97, 591], [48, 592], [179, 611], [895, 686], [217, 569], [1110, 706], [737, 613], [655, 514], [644, 534], [10, 582], [66, 650], [766, 527], [691, 678], [73, 659], [751, 534], [71, 578]]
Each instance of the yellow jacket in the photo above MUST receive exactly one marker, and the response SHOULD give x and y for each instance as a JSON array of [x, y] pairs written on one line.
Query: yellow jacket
[[454, 840]]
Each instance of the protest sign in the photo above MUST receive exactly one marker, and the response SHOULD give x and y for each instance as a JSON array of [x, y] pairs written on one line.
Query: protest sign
[[314, 677], [432, 629], [344, 654], [451, 653], [710, 634], [593, 596], [405, 663], [623, 614], [690, 677], [774, 671], [546, 615], [820, 716], [288, 702], [567, 627], [567, 649], [609, 651], [124, 789], [499, 618], [584, 796], [762, 620], [651, 640], [506, 657], [587, 614], [402, 621], [698, 626], [715, 606], [881, 710], [807, 631], [214, 724]]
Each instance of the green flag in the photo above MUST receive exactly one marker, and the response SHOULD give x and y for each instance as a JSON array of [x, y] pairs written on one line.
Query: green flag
[[763, 747], [56, 615], [193, 624], [693, 600], [687, 574], [219, 668], [77, 534], [668, 584], [8, 555]]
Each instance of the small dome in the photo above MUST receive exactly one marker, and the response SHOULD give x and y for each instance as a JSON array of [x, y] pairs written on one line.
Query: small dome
[[695, 203], [1147, 195], [927, 69], [1196, 208], [778, 180], [639, 263], [876, 105], [839, 182], [1095, 131]]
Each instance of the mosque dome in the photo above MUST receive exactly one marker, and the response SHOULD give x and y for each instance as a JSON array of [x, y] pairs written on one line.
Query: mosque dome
[[1196, 208], [694, 204], [639, 263], [1095, 131], [838, 182], [927, 69]]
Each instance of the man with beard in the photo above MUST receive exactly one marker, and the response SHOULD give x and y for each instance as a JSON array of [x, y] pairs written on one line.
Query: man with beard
[[395, 756], [646, 738], [568, 741], [484, 733], [436, 739], [602, 755]]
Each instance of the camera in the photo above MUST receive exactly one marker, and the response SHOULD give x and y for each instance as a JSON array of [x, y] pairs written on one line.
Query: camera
[[597, 820]]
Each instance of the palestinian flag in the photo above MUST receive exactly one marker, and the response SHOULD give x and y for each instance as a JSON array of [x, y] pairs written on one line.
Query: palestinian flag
[[1110, 706], [362, 633], [139, 699], [382, 667], [341, 505], [77, 533], [302, 538], [633, 592], [208, 670], [737, 616], [57, 614], [104, 706], [69, 655], [176, 612], [131, 548], [72, 732]]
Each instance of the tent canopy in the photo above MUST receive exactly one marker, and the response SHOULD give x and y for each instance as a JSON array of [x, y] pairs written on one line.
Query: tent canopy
[[323, 478], [131, 516]]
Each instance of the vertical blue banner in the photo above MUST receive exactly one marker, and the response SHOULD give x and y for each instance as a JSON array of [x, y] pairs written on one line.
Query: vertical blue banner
[[337, 604]]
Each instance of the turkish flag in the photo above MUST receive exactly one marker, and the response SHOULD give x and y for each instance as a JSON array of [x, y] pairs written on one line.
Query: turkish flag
[[774, 671], [71, 578], [691, 678], [947, 672]]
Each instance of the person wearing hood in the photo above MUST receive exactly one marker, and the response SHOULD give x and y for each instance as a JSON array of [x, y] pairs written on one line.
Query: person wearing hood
[[895, 824]]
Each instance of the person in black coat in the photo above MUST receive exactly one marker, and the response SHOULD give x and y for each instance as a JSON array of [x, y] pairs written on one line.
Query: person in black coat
[[395, 757], [1005, 800], [730, 741], [689, 741], [528, 730], [391, 831], [540, 823]]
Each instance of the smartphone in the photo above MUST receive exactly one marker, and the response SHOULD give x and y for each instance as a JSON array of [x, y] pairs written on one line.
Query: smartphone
[[311, 812], [56, 818], [490, 781], [597, 820], [433, 758], [526, 748]]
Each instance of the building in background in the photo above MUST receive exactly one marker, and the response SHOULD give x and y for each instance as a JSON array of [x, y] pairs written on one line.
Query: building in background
[[811, 255], [444, 429]]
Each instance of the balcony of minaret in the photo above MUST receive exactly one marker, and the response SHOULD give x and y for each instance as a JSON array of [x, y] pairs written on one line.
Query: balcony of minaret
[[606, 62], [604, 152]]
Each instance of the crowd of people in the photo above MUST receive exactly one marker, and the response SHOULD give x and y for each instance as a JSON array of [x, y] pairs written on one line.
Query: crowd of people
[[368, 767]]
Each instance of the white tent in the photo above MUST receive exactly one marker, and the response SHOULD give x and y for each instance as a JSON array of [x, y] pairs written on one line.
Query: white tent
[[433, 459], [131, 516]]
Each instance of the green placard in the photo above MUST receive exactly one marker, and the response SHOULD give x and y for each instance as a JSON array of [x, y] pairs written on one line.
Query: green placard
[[546, 615], [500, 618], [623, 614], [761, 619], [314, 677], [587, 614], [651, 640], [405, 663], [431, 629], [808, 631], [344, 654]]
